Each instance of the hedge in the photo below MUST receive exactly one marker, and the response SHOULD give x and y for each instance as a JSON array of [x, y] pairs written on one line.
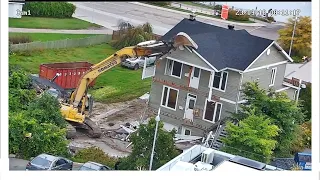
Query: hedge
[[233, 15], [50, 9]]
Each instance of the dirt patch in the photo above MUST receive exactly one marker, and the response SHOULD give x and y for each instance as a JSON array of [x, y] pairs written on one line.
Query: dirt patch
[[109, 117], [119, 113]]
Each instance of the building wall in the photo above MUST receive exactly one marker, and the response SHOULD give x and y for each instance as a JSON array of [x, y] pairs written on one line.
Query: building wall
[[274, 57], [175, 117], [189, 57]]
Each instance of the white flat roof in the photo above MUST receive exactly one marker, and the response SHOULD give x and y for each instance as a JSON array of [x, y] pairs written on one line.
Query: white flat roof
[[182, 166], [228, 166]]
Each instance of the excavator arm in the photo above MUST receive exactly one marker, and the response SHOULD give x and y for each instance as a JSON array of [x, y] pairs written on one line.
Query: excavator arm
[[145, 49]]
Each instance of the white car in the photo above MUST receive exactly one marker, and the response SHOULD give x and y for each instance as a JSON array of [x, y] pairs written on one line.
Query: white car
[[136, 63]]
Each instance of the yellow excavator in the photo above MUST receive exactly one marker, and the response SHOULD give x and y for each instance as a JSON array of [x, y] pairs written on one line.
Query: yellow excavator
[[77, 108]]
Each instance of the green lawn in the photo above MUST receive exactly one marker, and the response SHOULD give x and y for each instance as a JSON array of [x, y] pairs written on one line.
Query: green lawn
[[116, 85], [50, 23], [50, 36], [195, 4]]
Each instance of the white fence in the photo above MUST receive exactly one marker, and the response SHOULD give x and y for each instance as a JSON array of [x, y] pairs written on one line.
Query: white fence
[[65, 43]]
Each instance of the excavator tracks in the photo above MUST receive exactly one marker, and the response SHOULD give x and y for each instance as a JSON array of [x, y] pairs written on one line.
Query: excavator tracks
[[94, 131]]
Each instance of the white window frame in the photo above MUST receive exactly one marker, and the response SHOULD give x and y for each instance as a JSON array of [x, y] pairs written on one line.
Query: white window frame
[[171, 68], [212, 78], [273, 78], [184, 131], [215, 111], [167, 98]]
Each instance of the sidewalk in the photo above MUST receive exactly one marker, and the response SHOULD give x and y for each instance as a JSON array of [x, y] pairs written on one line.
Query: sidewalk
[[204, 17], [60, 31]]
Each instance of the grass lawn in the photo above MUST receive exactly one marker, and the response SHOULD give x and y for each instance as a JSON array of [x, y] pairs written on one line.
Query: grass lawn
[[50, 23], [195, 4], [116, 85], [50, 36]]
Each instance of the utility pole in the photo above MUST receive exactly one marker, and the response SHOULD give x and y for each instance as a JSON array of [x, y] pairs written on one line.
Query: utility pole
[[154, 139], [294, 29]]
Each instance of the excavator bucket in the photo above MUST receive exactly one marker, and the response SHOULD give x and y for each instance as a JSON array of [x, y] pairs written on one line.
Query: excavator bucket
[[183, 39]]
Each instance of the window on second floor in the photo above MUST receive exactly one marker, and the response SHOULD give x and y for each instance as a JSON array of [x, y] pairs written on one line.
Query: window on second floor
[[169, 97], [219, 80], [174, 68], [273, 76]]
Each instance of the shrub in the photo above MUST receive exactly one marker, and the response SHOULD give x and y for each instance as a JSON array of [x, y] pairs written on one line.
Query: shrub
[[50, 9], [19, 39], [46, 109], [94, 154], [159, 3], [233, 15], [45, 138]]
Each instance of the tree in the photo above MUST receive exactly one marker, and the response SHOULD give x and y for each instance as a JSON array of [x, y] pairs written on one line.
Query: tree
[[94, 154], [303, 138], [252, 138], [302, 37], [131, 36], [20, 91], [46, 109], [45, 137], [305, 99], [218, 7], [142, 141], [282, 111]]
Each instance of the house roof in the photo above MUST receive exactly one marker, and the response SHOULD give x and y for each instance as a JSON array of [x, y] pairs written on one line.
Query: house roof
[[222, 48], [299, 71]]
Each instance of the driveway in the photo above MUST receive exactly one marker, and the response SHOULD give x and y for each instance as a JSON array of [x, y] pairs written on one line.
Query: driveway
[[109, 14]]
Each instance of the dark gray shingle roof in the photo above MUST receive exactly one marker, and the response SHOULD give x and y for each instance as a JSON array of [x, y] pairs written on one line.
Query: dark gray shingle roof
[[221, 47]]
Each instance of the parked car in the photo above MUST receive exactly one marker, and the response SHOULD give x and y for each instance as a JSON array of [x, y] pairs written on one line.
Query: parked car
[[50, 163], [136, 63], [93, 166]]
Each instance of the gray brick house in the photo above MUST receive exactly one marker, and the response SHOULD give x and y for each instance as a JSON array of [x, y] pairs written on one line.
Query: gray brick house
[[195, 88]]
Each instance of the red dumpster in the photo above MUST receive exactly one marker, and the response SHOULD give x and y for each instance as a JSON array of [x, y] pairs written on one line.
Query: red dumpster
[[70, 73]]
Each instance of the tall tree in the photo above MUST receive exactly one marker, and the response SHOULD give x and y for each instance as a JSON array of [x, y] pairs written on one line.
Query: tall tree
[[302, 37], [142, 141], [305, 98], [252, 138], [130, 36], [278, 107]]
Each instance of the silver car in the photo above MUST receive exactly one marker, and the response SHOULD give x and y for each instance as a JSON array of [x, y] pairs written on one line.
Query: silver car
[[136, 63], [93, 166], [49, 163]]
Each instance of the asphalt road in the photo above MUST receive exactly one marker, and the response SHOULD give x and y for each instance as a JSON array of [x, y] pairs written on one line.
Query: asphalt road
[[20, 165], [109, 14]]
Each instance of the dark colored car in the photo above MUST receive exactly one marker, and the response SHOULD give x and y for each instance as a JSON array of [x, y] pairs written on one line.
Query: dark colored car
[[93, 166], [49, 163]]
